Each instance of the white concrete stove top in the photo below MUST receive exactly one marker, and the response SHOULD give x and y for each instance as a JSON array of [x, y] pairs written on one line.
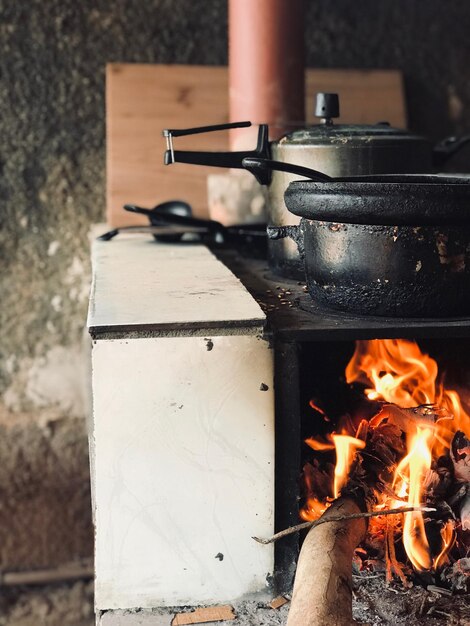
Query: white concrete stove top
[[182, 436], [140, 283]]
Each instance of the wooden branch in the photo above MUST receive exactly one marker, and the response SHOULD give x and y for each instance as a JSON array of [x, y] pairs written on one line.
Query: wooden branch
[[391, 562], [340, 518], [322, 591]]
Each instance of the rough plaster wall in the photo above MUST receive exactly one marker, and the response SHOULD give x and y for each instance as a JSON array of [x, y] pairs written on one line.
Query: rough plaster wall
[[52, 150], [44, 493], [52, 605], [428, 41], [52, 186], [51, 190]]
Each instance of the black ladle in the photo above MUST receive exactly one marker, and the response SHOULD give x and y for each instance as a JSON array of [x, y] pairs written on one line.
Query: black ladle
[[159, 225], [178, 214], [217, 231], [158, 216]]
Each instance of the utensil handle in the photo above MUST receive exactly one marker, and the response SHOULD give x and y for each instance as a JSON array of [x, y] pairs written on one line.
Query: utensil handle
[[174, 132], [446, 148], [160, 231], [257, 166], [132, 208], [219, 159], [176, 220], [294, 232], [212, 159]]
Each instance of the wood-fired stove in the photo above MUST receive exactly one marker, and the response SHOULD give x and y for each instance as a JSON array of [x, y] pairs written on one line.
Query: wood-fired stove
[[201, 385]]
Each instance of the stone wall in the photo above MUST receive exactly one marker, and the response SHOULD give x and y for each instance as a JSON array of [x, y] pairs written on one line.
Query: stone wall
[[52, 157]]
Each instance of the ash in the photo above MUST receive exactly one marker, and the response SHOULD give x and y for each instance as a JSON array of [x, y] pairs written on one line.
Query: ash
[[249, 613], [374, 604], [378, 604]]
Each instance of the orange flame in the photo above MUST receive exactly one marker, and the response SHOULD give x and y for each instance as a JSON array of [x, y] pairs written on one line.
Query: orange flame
[[399, 371], [319, 446], [401, 374], [346, 448], [396, 371], [411, 471], [448, 538], [312, 510]]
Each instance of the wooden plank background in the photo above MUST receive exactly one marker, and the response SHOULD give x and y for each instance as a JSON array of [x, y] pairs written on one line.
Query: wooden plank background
[[142, 100]]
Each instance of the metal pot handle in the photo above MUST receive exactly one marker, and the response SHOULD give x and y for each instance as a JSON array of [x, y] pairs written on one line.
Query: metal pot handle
[[446, 149], [293, 232], [218, 159], [258, 165]]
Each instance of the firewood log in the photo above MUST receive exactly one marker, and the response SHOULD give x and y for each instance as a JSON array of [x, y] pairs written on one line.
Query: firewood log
[[323, 582]]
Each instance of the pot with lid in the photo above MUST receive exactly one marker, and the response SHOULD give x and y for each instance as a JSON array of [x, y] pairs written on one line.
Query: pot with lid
[[335, 149]]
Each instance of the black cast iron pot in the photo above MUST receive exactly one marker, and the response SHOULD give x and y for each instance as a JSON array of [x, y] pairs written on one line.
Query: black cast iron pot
[[384, 245]]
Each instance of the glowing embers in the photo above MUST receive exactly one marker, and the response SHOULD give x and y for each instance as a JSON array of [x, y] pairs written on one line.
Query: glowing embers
[[414, 452]]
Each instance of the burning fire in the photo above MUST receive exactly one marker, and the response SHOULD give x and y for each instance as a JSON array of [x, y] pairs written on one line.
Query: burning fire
[[346, 448], [401, 374], [396, 372], [410, 474]]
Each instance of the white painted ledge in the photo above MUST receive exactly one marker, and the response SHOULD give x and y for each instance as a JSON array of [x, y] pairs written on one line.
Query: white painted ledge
[[141, 284]]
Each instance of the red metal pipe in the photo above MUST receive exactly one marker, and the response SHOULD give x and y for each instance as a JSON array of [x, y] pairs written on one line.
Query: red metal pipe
[[266, 66]]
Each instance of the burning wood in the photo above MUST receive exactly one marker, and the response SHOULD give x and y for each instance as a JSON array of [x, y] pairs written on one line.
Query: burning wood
[[323, 581], [433, 428], [414, 453]]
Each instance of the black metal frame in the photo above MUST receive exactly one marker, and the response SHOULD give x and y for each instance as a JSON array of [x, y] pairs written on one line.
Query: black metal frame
[[288, 443]]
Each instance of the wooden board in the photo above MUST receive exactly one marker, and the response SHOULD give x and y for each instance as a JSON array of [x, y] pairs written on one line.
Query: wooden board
[[205, 615], [142, 100]]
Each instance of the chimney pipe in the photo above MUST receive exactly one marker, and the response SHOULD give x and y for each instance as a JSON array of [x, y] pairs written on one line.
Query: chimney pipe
[[266, 67]]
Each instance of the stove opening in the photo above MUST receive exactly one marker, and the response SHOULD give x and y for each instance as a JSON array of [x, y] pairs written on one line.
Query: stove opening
[[387, 421]]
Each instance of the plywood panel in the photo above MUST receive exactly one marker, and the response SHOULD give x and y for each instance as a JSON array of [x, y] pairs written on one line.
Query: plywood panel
[[142, 100], [366, 97]]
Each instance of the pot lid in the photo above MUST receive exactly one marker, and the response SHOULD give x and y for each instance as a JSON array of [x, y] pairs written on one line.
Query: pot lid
[[327, 132], [413, 200]]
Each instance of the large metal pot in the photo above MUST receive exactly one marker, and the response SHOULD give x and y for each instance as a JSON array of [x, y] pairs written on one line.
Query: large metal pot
[[396, 271], [335, 149], [382, 245]]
